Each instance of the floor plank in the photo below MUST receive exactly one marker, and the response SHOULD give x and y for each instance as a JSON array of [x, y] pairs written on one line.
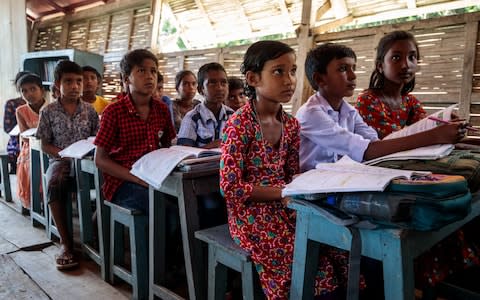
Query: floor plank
[[81, 282], [6, 246], [15, 284], [18, 229]]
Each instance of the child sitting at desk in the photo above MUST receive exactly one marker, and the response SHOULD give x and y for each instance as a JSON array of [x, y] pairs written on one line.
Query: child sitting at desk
[[31, 88], [330, 127], [259, 156], [130, 128], [61, 124], [203, 125]]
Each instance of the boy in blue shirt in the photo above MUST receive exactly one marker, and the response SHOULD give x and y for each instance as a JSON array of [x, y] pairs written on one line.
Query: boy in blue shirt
[[331, 128], [203, 125]]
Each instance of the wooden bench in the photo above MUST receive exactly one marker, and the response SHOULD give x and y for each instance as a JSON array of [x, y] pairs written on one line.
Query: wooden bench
[[100, 253], [137, 225], [38, 207], [5, 181], [223, 253]]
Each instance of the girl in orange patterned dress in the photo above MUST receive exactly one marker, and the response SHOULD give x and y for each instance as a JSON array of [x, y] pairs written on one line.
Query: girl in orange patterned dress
[[30, 86]]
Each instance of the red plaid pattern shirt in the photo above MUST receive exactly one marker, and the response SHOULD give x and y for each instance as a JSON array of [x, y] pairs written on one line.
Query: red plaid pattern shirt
[[126, 137]]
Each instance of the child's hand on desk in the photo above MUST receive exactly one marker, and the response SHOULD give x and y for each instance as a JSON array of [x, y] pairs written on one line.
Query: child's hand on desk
[[450, 133]]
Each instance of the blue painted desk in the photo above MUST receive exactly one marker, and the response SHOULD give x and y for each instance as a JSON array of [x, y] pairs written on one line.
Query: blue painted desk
[[185, 186], [39, 210], [395, 248]]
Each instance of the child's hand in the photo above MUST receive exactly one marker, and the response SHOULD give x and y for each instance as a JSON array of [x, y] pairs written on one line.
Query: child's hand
[[451, 133]]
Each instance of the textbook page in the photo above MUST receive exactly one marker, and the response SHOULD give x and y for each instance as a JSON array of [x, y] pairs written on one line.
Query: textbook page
[[428, 152], [155, 166], [29, 132], [345, 175], [198, 152], [424, 124], [78, 149], [15, 131]]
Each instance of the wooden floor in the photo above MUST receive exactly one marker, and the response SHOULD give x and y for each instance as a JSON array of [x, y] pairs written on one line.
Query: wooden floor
[[27, 266]]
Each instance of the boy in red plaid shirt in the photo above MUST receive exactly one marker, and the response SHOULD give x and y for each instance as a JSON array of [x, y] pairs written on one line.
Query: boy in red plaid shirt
[[131, 127]]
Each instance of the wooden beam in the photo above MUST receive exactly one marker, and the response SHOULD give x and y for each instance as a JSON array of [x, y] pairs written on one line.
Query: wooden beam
[[323, 10], [411, 4], [107, 34], [131, 19], [340, 9], [331, 25], [284, 10], [470, 38], [305, 43], [207, 16], [33, 37], [64, 34], [156, 10], [56, 6]]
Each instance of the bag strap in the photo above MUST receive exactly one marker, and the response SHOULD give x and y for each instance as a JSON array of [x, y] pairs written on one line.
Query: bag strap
[[353, 283]]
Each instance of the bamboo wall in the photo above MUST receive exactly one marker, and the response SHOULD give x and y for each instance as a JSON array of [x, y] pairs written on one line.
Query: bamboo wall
[[449, 47]]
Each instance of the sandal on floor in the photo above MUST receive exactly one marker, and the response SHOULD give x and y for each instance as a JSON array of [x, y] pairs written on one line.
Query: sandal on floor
[[65, 261]]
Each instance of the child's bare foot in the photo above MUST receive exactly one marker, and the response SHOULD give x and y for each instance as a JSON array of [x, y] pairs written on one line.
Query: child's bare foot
[[65, 260]]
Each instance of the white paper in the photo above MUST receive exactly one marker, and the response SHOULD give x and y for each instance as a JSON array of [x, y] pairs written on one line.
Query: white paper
[[346, 175], [78, 149], [29, 132], [155, 166], [15, 131], [424, 124], [429, 153]]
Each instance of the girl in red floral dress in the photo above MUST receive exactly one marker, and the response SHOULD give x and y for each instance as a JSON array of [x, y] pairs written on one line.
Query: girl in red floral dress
[[260, 149]]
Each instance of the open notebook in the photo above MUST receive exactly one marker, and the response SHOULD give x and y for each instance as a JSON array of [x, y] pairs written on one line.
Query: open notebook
[[345, 175], [429, 152], [155, 166], [79, 149]]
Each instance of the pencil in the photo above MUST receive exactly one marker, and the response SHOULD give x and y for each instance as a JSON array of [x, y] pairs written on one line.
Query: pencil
[[448, 122]]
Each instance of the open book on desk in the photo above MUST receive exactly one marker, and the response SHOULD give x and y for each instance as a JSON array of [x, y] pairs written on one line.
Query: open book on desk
[[79, 149], [345, 175], [428, 152], [155, 166]]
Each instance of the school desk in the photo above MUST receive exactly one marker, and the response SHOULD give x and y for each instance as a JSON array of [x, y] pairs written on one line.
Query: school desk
[[38, 211], [185, 186], [395, 248]]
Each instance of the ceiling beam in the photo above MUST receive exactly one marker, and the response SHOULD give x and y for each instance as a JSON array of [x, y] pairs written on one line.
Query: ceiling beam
[[331, 25], [411, 4], [57, 7], [285, 14], [323, 10], [339, 9]]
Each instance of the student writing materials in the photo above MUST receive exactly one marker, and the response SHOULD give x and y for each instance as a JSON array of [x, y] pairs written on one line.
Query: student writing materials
[[155, 166], [447, 122], [78, 149], [345, 175]]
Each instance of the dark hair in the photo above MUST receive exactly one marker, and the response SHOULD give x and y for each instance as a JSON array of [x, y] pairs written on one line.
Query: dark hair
[[235, 83], [180, 75], [257, 55], [18, 76], [29, 78], [159, 77], [66, 66], [377, 79], [93, 70], [135, 58], [203, 71], [319, 57]]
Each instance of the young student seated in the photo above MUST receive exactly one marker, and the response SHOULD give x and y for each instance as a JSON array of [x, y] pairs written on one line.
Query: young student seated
[[31, 88], [158, 94], [61, 124], [203, 125], [9, 122], [332, 128], [91, 81], [186, 85], [236, 93], [130, 128], [259, 157]]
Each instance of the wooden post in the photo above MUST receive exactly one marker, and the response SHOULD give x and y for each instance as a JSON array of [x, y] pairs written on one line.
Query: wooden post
[[305, 43], [156, 9], [64, 34], [471, 33]]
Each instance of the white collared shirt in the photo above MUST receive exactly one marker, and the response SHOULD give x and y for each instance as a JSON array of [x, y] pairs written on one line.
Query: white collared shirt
[[326, 135]]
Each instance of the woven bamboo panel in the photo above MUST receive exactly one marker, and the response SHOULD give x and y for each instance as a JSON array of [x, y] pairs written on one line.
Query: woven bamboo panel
[[169, 66], [119, 32], [111, 85], [48, 38], [361, 8], [97, 34], [141, 31], [78, 35]]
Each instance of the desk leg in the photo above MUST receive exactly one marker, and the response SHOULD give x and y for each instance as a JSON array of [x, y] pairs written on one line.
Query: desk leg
[[36, 197], [192, 248], [84, 203], [156, 231], [398, 274], [305, 260]]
